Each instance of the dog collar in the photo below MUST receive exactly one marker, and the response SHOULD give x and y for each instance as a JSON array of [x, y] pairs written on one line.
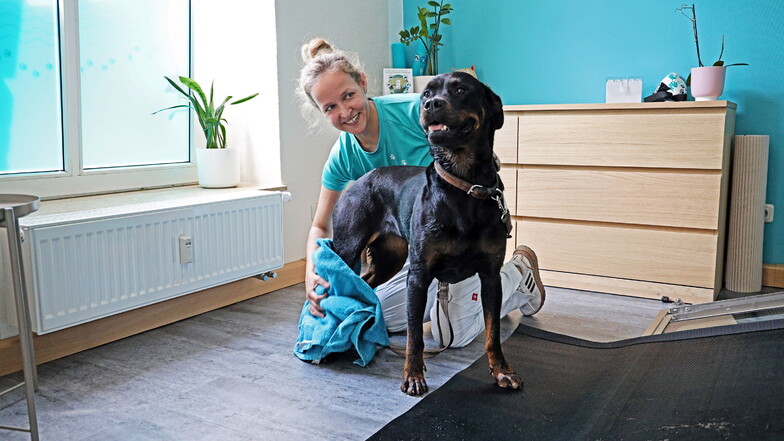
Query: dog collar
[[479, 192]]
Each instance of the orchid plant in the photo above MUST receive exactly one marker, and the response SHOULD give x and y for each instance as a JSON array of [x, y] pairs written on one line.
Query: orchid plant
[[693, 20]]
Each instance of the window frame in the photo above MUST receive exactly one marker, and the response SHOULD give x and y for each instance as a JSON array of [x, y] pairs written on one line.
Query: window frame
[[75, 180]]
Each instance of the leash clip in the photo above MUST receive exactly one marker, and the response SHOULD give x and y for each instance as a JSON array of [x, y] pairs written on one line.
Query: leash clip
[[505, 219], [501, 201]]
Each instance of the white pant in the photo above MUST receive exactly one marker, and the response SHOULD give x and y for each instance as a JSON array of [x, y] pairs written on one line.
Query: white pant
[[465, 304]]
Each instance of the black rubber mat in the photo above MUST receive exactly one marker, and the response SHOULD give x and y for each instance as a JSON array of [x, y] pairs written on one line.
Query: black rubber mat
[[724, 383]]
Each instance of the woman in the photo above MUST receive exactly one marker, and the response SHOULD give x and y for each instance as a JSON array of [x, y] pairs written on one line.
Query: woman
[[379, 132]]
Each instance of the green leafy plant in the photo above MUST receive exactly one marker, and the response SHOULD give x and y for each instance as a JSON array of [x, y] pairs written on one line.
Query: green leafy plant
[[429, 34], [693, 20], [210, 117]]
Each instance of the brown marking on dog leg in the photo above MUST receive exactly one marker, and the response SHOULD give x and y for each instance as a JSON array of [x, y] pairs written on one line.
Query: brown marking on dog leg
[[501, 371], [386, 256], [414, 383]]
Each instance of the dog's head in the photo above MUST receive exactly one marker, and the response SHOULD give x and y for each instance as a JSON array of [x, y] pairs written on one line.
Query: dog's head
[[459, 113]]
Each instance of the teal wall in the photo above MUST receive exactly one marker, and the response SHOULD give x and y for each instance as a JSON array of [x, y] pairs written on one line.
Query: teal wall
[[551, 52]]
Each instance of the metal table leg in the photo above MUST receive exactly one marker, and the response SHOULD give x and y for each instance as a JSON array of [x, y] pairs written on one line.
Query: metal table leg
[[10, 221]]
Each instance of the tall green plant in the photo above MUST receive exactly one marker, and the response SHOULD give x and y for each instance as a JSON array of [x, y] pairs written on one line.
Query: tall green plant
[[429, 34], [210, 117]]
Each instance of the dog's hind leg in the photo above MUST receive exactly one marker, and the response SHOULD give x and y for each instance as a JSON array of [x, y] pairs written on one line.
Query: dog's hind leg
[[501, 371], [387, 255]]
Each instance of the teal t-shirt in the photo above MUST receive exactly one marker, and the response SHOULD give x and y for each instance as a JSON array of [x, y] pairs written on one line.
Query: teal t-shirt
[[401, 141]]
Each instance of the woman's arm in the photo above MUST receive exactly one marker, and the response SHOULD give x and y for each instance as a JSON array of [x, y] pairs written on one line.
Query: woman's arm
[[320, 228]]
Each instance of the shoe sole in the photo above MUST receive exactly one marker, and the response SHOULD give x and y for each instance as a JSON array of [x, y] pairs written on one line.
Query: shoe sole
[[529, 254]]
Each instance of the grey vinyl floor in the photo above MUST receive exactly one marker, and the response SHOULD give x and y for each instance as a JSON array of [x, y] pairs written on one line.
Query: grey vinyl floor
[[230, 374]]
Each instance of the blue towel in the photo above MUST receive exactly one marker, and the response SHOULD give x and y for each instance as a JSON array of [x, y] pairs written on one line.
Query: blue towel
[[353, 313]]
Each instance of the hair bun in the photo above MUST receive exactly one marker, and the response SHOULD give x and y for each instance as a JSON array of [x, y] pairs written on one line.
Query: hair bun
[[315, 47]]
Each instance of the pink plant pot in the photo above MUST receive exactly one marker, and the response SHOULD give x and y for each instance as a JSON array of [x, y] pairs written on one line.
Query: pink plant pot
[[707, 83]]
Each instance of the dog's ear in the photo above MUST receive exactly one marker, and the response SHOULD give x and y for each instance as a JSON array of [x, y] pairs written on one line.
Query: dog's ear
[[495, 109]]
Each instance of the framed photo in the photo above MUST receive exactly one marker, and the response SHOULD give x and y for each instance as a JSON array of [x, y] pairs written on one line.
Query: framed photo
[[398, 81]]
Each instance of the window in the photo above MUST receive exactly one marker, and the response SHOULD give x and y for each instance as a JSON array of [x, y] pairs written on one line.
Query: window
[[80, 81], [125, 48], [29, 89]]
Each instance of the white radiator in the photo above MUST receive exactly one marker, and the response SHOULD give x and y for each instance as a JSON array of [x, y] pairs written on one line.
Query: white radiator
[[86, 265]]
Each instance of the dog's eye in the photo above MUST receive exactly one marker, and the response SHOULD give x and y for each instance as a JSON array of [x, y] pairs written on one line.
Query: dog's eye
[[426, 94], [460, 90]]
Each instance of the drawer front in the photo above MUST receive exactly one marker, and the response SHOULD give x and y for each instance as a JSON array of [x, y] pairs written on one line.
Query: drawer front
[[680, 258], [505, 141], [509, 178], [671, 139], [689, 200]]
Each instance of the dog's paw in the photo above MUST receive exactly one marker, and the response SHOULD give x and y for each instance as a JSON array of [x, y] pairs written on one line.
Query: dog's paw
[[414, 385], [508, 380]]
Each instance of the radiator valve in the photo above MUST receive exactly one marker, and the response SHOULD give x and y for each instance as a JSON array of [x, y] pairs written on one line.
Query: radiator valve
[[266, 276]]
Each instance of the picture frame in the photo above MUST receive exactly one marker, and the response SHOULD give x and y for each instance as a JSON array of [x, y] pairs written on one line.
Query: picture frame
[[397, 81]]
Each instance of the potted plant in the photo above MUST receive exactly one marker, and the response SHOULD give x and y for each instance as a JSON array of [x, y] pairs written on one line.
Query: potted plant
[[707, 82], [428, 37], [218, 167]]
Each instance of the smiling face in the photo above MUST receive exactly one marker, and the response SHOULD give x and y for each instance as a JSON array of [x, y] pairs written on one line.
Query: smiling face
[[457, 111], [343, 101]]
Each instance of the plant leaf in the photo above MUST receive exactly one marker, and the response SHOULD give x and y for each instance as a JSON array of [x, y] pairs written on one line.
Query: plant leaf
[[173, 107], [193, 85], [211, 89], [247, 98], [719, 63], [433, 3], [446, 21], [177, 87], [219, 110]]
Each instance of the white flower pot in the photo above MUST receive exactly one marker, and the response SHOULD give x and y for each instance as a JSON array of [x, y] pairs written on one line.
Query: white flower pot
[[218, 168], [420, 82]]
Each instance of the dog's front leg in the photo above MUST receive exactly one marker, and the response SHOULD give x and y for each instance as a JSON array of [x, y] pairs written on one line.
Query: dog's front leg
[[414, 368], [504, 375]]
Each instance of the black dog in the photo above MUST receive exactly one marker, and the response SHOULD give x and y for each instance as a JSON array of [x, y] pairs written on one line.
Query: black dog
[[448, 218]]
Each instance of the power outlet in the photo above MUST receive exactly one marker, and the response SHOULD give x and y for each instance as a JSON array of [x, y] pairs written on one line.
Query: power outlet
[[768, 213]]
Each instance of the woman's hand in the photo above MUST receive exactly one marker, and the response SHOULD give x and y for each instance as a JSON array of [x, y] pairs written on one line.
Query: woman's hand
[[320, 228], [315, 284]]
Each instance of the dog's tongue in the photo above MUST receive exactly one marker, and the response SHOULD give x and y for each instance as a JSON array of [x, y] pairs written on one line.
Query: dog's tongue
[[436, 127]]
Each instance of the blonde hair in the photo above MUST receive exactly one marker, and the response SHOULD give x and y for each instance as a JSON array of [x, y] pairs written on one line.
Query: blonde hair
[[319, 56]]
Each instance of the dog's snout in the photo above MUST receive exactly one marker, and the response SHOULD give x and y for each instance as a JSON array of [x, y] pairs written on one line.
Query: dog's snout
[[434, 104]]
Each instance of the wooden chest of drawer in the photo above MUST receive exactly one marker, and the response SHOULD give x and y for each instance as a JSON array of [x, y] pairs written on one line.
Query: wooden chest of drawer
[[623, 198]]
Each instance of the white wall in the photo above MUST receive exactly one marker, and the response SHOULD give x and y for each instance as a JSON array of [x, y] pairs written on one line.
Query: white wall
[[234, 44], [360, 26]]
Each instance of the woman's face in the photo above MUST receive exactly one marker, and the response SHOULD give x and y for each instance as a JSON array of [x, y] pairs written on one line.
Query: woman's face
[[342, 101]]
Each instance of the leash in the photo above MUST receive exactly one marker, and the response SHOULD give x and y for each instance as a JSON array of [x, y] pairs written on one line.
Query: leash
[[442, 300], [481, 192]]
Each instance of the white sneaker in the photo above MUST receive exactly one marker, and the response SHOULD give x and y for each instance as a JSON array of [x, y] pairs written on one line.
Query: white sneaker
[[531, 287]]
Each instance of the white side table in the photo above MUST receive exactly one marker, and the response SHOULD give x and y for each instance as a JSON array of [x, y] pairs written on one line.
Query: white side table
[[12, 207]]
